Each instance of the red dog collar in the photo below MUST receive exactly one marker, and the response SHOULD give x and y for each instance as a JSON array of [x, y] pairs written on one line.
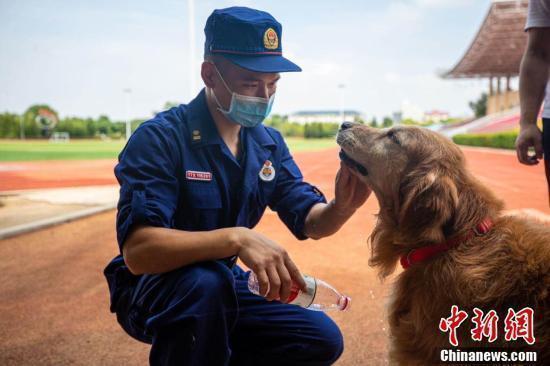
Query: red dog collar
[[421, 254]]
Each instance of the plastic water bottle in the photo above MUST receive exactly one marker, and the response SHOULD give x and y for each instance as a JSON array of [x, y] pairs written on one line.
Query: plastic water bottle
[[320, 296]]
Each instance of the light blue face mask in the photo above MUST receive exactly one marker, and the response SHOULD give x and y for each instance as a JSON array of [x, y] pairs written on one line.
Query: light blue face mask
[[244, 110]]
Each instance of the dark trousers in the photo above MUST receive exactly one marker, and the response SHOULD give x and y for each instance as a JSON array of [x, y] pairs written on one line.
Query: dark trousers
[[204, 315], [546, 147]]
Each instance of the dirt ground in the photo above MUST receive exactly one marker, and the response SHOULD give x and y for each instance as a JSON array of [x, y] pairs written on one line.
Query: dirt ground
[[58, 173], [54, 300]]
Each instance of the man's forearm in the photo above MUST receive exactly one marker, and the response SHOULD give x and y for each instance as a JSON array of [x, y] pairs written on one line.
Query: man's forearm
[[533, 79], [151, 249], [324, 220]]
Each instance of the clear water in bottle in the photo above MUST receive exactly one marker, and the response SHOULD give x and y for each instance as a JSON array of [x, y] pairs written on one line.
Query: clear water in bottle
[[320, 296]]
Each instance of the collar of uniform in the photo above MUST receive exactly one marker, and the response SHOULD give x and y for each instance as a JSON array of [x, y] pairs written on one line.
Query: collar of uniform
[[261, 136], [202, 130]]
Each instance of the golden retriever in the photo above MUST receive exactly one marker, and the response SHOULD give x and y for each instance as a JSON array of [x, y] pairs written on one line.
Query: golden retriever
[[426, 198]]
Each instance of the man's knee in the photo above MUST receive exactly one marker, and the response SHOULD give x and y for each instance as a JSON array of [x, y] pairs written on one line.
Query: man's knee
[[212, 278], [330, 345], [325, 345], [190, 292], [204, 282]]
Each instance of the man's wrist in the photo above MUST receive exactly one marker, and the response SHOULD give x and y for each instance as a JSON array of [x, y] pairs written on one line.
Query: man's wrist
[[528, 122], [341, 211], [235, 238]]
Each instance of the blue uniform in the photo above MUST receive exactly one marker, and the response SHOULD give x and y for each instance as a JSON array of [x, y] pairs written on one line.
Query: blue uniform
[[176, 172]]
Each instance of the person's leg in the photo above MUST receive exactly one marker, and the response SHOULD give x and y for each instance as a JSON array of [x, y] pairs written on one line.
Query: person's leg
[[186, 314], [271, 333], [546, 147]]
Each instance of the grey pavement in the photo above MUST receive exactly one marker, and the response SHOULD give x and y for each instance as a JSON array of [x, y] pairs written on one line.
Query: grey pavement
[[29, 210]]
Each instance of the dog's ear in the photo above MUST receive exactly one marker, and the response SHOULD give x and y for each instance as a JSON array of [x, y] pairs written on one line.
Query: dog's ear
[[428, 202]]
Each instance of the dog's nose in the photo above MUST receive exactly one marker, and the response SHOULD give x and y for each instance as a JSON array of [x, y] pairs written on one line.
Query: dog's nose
[[346, 125]]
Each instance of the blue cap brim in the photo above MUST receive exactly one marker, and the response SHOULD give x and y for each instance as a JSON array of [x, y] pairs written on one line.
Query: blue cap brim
[[264, 63]]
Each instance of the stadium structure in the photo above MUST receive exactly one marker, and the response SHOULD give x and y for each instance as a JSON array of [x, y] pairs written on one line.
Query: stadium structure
[[495, 54]]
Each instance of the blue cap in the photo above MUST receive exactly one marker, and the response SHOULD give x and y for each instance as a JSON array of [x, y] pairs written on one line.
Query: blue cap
[[247, 37]]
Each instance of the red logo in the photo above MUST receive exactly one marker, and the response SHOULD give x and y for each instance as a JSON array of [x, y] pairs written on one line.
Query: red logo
[[451, 323], [485, 326], [203, 176], [516, 325], [519, 325]]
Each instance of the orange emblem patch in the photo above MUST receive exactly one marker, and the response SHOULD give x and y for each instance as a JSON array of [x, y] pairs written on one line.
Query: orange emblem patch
[[267, 173], [271, 41]]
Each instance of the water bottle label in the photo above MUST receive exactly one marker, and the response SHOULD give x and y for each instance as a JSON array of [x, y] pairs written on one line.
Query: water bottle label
[[300, 298]]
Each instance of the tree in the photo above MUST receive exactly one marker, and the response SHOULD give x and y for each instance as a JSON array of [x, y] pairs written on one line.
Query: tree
[[292, 129], [169, 105], [9, 125], [136, 122], [39, 119], [373, 122], [387, 122], [358, 119], [91, 127], [103, 125], [276, 121], [479, 107], [75, 126], [320, 130]]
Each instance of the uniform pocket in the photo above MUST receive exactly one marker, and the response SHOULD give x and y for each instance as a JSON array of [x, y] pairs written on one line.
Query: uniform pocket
[[205, 196], [203, 206]]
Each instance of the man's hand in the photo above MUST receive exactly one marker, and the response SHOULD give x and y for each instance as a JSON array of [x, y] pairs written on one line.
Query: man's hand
[[534, 73], [529, 136], [350, 191], [271, 264]]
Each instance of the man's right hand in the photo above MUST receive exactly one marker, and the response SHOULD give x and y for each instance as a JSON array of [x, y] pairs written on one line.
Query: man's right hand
[[529, 136], [270, 262]]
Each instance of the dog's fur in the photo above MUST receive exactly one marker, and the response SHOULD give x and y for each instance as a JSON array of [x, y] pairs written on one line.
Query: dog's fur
[[427, 196]]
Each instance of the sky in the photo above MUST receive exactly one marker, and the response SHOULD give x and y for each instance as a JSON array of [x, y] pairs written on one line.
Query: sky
[[80, 56]]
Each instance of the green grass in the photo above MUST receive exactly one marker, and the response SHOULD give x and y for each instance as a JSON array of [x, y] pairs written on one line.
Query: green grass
[[502, 140], [15, 150], [296, 144], [29, 150]]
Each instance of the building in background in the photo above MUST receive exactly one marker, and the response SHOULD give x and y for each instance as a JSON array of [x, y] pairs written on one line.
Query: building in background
[[435, 116], [495, 54], [328, 116], [411, 113]]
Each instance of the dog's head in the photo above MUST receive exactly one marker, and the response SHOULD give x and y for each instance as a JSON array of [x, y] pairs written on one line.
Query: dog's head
[[419, 179]]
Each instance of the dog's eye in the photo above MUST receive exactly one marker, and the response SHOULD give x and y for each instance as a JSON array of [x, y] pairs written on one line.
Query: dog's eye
[[393, 137]]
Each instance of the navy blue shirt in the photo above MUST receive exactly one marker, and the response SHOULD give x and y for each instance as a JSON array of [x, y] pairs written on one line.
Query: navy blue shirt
[[177, 172]]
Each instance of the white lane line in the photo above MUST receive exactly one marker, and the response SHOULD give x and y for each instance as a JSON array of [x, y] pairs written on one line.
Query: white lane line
[[11, 168]]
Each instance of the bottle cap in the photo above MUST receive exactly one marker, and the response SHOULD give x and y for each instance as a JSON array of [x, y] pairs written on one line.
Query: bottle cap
[[344, 303]]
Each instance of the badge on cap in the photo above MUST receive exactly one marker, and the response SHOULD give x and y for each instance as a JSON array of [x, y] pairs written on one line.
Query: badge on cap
[[271, 41], [267, 173]]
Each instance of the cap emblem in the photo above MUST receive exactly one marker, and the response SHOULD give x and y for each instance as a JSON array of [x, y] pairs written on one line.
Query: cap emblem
[[271, 41]]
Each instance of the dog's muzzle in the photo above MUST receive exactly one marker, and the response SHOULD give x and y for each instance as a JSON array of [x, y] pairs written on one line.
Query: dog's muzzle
[[353, 164]]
